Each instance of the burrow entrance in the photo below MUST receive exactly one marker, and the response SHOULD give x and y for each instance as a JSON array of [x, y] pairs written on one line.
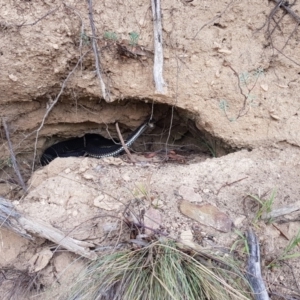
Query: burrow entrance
[[174, 130]]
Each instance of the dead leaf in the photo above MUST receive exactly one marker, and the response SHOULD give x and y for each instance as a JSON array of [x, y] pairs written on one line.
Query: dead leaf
[[40, 260], [150, 155]]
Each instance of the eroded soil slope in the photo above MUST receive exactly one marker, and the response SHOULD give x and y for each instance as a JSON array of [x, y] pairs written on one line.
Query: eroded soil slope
[[231, 70]]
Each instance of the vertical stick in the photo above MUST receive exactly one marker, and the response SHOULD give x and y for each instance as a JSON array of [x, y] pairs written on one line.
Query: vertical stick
[[13, 157], [158, 48], [123, 144], [105, 94]]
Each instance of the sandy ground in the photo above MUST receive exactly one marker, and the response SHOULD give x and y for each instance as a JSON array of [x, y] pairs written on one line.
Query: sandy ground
[[86, 198]]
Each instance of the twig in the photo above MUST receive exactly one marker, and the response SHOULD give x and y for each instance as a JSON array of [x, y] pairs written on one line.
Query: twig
[[52, 104], [105, 93], [230, 183], [13, 157], [243, 110], [282, 4], [124, 145], [158, 48], [38, 20], [213, 20], [254, 269]]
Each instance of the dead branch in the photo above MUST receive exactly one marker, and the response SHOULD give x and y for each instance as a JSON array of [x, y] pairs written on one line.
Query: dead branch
[[44, 230], [123, 144], [158, 48], [13, 157], [52, 104], [25, 227], [105, 93]]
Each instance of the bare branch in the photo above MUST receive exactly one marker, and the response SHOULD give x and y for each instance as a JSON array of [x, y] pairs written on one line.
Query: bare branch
[[158, 48], [13, 157]]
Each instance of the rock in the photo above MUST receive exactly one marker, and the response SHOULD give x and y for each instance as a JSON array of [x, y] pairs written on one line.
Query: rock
[[187, 192], [206, 214], [152, 219]]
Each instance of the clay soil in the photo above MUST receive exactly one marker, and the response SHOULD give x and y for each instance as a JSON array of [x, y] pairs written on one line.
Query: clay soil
[[229, 115]]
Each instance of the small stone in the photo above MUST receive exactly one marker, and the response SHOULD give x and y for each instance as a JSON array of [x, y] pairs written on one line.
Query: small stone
[[264, 87], [275, 117], [88, 176], [152, 220], [217, 45], [13, 77], [225, 51], [238, 221], [186, 237], [188, 193], [108, 227], [67, 171], [113, 161], [40, 260], [126, 177]]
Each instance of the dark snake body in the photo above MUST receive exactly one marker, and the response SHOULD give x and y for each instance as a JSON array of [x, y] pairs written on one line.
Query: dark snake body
[[93, 145]]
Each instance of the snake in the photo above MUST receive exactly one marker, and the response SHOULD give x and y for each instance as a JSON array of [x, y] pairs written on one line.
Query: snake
[[92, 145]]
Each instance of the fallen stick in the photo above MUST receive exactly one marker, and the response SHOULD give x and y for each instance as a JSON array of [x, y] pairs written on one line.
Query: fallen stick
[[44, 230], [253, 275], [13, 157], [25, 227]]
